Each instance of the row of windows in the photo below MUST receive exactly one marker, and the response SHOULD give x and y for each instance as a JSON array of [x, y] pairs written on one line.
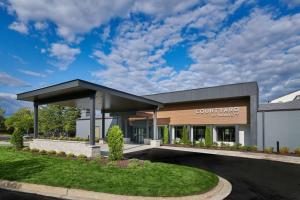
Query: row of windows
[[224, 134]]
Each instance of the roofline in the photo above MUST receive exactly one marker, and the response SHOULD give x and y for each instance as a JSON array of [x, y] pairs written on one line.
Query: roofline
[[251, 82], [79, 82], [286, 94]]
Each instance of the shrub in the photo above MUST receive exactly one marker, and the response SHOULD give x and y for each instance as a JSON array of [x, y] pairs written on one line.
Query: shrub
[[166, 135], [284, 150], [236, 146], [51, 152], [115, 143], [134, 163], [34, 150], [111, 163], [147, 163], [253, 148], [26, 149], [17, 139], [61, 154], [297, 151], [200, 144], [82, 157], [268, 150], [215, 144], [208, 137], [43, 152], [185, 135], [70, 155]]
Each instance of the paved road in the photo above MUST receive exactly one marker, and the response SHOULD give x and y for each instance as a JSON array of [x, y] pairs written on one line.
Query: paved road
[[251, 179], [11, 195]]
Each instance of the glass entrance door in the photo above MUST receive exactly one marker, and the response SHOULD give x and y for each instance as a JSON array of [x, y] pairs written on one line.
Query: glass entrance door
[[138, 135]]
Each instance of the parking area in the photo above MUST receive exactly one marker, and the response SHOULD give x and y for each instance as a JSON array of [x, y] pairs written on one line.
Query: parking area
[[250, 178]]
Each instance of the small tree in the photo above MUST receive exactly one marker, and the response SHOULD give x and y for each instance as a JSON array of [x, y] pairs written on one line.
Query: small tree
[[185, 135], [115, 143], [208, 137], [17, 139], [166, 135]]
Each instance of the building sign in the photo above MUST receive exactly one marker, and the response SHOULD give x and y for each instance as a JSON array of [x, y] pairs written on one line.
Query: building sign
[[219, 112]]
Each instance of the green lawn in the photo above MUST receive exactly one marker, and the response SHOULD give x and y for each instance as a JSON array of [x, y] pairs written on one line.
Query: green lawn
[[154, 179]]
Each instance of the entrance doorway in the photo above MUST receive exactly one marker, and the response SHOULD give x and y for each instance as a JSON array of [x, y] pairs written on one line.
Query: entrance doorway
[[138, 135]]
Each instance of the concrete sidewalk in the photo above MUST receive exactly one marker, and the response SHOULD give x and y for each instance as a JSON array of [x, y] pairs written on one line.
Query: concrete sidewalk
[[253, 155]]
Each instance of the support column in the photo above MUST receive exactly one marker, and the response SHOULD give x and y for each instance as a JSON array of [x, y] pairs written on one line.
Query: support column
[[35, 118], [147, 128], [173, 134], [192, 134], [103, 124], [155, 135], [126, 126], [92, 119]]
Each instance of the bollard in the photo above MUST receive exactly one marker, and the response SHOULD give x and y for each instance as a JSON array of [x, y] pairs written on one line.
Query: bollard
[[277, 145]]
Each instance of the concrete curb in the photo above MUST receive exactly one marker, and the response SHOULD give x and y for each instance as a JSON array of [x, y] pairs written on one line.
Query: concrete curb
[[221, 191], [262, 156]]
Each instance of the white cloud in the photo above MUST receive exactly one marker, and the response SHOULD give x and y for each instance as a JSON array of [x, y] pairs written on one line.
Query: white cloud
[[292, 3], [7, 80], [63, 55], [40, 25], [136, 61], [19, 27], [32, 73], [9, 103]]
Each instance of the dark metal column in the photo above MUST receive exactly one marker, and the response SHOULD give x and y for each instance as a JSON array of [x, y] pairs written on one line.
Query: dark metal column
[[92, 119], [35, 118], [103, 124]]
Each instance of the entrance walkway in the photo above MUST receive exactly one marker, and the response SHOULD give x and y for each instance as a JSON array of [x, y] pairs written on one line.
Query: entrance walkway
[[253, 155]]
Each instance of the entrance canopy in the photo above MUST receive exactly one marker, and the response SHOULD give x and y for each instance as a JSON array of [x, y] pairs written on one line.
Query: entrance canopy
[[77, 93]]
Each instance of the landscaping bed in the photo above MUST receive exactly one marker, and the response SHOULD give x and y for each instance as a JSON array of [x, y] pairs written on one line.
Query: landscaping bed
[[125, 177], [269, 150]]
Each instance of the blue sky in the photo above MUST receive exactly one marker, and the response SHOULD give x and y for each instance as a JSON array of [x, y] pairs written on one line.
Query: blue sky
[[144, 46]]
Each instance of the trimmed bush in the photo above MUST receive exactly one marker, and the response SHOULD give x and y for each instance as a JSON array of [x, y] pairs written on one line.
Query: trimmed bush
[[17, 139], [115, 143], [185, 136], [200, 144], [34, 150], [166, 135], [43, 152], [70, 155], [253, 148], [215, 144], [208, 137], [284, 150], [111, 164], [61, 154], [134, 163], [82, 157], [268, 150], [236, 146], [52, 152]]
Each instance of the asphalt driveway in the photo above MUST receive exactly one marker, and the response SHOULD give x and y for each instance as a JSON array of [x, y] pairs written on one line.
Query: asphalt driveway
[[250, 178]]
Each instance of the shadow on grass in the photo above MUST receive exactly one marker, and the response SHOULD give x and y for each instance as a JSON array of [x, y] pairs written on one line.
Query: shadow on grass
[[20, 170]]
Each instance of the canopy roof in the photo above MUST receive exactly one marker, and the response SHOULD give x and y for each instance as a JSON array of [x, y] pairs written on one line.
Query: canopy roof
[[77, 93]]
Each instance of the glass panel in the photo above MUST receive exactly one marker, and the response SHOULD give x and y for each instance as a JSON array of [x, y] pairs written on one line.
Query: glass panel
[[178, 131], [226, 134], [199, 133]]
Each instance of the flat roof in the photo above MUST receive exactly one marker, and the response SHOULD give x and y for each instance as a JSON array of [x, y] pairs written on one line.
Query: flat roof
[[207, 93], [68, 94], [292, 105]]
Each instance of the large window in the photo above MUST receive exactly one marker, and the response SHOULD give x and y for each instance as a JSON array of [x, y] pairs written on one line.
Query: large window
[[199, 133], [226, 134], [178, 131]]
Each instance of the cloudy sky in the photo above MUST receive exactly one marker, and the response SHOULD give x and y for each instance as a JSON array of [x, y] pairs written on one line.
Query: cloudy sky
[[149, 46]]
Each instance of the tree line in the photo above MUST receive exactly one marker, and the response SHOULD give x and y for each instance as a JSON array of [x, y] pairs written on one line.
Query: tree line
[[54, 120]]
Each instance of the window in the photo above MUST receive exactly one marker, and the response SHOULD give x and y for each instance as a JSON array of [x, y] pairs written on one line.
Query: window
[[199, 133], [226, 134], [178, 131]]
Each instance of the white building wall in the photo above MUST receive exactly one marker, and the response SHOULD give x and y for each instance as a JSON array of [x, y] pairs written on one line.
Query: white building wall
[[83, 126], [282, 126]]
